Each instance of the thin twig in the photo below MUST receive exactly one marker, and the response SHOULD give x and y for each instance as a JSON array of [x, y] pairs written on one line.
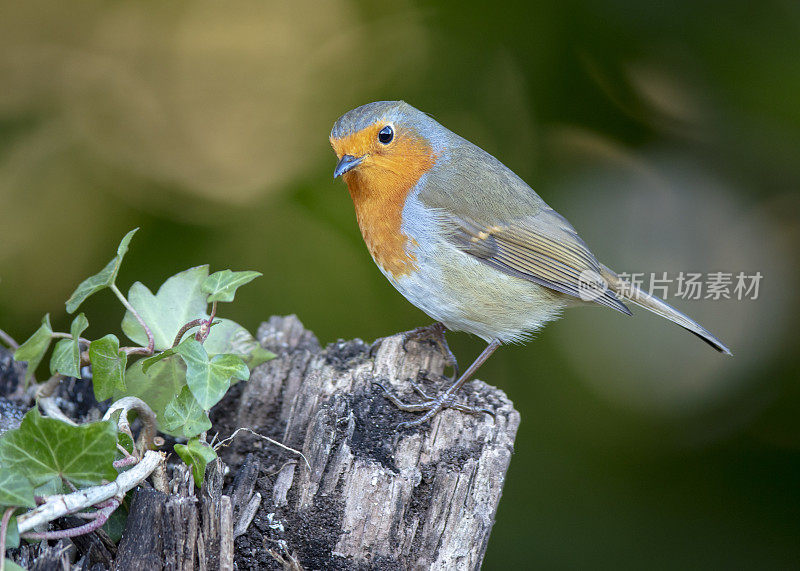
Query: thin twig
[[227, 441], [185, 328], [124, 452], [150, 339], [61, 505], [8, 340], [47, 388], [51, 409]]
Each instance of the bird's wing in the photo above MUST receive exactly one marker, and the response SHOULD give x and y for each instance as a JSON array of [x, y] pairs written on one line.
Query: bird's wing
[[492, 214], [543, 248]]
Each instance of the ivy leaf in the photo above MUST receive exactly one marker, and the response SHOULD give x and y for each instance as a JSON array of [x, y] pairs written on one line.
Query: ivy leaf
[[46, 449], [179, 300], [257, 356], [116, 523], [209, 379], [230, 337], [158, 386], [184, 416], [197, 455], [105, 278], [15, 489], [150, 361], [126, 442], [66, 357], [108, 366], [51, 488], [222, 286], [33, 350]]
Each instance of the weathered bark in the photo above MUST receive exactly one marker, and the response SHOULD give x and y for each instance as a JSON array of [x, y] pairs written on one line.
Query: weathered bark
[[374, 497], [161, 532]]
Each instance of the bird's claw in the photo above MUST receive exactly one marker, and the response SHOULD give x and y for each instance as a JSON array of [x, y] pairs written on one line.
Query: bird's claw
[[430, 406]]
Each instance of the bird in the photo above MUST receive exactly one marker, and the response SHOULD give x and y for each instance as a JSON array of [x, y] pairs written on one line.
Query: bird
[[467, 241]]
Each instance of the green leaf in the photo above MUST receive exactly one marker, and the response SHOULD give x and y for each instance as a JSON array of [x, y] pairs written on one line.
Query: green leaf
[[10, 565], [197, 455], [230, 337], [222, 286], [150, 361], [33, 350], [46, 449], [15, 489], [209, 379], [257, 356], [184, 416], [108, 366], [66, 357], [162, 381], [51, 488], [126, 442], [179, 300], [116, 523], [106, 277]]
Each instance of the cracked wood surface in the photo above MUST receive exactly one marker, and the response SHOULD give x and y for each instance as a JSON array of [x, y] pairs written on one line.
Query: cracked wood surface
[[375, 497]]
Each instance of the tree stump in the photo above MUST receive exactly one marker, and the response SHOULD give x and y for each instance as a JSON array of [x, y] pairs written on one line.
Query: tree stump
[[369, 497], [373, 496]]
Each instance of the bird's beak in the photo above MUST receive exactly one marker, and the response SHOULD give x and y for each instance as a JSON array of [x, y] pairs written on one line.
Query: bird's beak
[[346, 163]]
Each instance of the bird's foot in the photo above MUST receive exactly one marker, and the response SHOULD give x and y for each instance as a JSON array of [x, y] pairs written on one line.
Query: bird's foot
[[434, 332], [430, 405]]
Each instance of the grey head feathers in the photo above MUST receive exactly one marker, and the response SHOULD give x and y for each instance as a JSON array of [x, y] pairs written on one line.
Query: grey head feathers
[[399, 113]]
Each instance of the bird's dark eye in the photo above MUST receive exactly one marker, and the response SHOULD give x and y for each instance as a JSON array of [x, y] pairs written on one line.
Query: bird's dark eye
[[386, 135]]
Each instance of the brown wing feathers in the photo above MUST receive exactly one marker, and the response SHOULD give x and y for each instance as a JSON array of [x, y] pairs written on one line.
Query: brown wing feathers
[[555, 261]]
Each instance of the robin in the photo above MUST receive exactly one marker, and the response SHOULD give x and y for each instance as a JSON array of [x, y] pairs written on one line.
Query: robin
[[466, 240]]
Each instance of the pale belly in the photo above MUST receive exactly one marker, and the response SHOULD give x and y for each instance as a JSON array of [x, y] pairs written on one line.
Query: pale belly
[[467, 295]]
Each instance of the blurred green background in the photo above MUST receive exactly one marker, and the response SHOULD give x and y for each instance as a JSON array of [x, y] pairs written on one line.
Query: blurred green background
[[667, 133]]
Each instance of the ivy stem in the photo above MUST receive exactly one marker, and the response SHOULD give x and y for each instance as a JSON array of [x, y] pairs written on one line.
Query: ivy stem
[[8, 340], [61, 505], [59, 335], [205, 328], [47, 388], [3, 530], [127, 461], [96, 523], [185, 328], [150, 339], [44, 396], [146, 415], [51, 409]]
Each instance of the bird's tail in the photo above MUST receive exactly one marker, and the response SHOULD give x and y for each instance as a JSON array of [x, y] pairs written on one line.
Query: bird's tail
[[631, 292]]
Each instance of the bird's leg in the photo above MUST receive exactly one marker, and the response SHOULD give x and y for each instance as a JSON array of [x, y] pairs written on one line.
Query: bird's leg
[[434, 332], [431, 406]]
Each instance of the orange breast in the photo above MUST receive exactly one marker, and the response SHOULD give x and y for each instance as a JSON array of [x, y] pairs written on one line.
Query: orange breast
[[379, 188]]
